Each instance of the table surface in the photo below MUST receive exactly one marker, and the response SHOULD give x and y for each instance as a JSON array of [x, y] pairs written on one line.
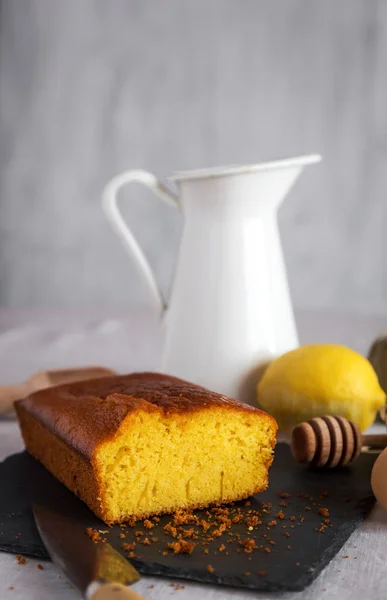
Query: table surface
[[31, 340]]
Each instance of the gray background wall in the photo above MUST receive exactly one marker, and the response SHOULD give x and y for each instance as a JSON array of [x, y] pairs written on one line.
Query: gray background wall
[[88, 88]]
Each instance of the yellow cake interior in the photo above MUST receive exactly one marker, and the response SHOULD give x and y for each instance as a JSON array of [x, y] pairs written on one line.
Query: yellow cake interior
[[157, 463]]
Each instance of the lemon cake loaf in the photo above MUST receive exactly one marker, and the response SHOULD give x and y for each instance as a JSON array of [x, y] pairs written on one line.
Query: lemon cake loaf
[[143, 444]]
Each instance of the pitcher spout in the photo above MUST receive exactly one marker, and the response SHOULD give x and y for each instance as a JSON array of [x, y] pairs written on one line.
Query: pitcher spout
[[252, 189], [285, 163]]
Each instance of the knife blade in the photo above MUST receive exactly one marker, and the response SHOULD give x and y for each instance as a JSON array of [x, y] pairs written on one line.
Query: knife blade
[[96, 569]]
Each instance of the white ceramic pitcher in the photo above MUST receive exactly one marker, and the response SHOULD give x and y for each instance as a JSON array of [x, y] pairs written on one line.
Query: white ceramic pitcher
[[230, 309]]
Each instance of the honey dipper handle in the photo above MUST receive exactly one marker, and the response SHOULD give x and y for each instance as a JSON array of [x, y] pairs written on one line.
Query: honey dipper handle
[[375, 440], [10, 393], [114, 591]]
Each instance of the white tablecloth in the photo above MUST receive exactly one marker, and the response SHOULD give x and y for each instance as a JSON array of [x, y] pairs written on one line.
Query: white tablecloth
[[35, 340]]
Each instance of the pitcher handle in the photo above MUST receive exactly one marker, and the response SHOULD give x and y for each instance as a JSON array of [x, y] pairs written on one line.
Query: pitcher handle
[[110, 206]]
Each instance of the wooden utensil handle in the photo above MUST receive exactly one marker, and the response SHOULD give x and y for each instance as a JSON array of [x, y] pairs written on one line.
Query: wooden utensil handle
[[10, 393], [114, 591], [375, 440]]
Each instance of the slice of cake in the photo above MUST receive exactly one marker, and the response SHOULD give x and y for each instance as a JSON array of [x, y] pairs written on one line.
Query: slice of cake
[[142, 444]]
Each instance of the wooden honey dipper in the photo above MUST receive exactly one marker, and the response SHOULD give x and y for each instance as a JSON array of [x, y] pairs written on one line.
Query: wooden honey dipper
[[331, 442]]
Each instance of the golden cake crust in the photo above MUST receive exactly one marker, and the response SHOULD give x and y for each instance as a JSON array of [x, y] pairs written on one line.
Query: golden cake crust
[[88, 413]]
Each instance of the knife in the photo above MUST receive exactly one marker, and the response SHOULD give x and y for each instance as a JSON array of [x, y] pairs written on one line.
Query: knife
[[96, 569]]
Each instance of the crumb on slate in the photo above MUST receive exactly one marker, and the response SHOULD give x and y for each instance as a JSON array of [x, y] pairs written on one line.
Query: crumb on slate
[[93, 534], [128, 547], [248, 545], [280, 515], [182, 547]]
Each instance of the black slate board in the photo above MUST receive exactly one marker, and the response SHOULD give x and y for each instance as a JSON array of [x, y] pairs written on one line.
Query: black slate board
[[349, 500]]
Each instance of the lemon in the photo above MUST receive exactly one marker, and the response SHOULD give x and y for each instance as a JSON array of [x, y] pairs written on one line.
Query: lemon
[[320, 379]]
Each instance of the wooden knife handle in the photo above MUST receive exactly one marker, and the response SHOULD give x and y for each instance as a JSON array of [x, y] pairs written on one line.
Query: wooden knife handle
[[114, 591], [10, 393]]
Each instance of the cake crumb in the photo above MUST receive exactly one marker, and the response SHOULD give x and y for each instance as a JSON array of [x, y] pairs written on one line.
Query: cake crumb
[[280, 515], [218, 532], [146, 542], [190, 533], [128, 547], [210, 568], [40, 567], [324, 512], [248, 545], [169, 528], [122, 536], [284, 504], [247, 573], [21, 560], [93, 534], [148, 524], [320, 529], [262, 573], [177, 586], [222, 547], [205, 551], [284, 495], [253, 521], [11, 588], [182, 547], [184, 518], [155, 540], [204, 525]]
